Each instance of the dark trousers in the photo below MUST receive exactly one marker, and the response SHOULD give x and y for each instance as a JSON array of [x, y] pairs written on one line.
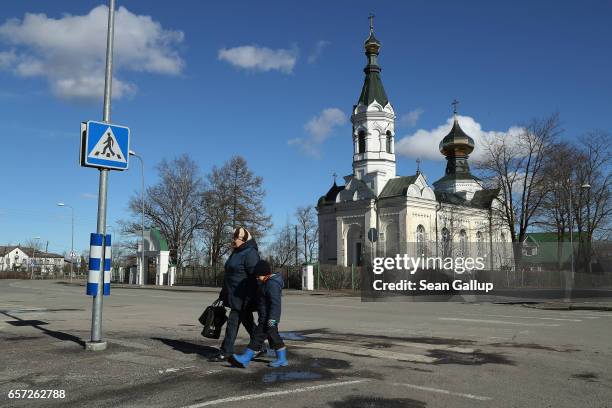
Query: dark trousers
[[263, 332], [231, 330]]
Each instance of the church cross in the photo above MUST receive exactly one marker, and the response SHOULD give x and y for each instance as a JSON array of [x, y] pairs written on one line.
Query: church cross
[[334, 175], [371, 17], [418, 162], [455, 103]]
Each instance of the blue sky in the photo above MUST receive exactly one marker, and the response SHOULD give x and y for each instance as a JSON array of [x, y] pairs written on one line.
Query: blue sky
[[215, 79]]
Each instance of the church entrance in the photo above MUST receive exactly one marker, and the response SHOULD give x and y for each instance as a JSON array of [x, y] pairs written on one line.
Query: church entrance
[[354, 246], [151, 270]]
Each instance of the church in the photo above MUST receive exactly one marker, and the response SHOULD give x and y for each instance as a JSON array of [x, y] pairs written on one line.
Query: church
[[378, 213]]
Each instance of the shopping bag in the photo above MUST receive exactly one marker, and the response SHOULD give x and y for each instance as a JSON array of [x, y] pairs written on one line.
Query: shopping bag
[[213, 318]]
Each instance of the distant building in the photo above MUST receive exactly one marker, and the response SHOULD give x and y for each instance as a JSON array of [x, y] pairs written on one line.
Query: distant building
[[406, 214], [157, 269], [20, 258]]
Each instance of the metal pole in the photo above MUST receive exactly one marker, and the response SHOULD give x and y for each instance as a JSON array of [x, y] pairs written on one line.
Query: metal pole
[[142, 228], [72, 247], [296, 246], [96, 342], [32, 262], [142, 225], [571, 225]]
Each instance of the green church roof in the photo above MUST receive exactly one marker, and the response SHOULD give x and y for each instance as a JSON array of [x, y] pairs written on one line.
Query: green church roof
[[397, 186], [163, 244]]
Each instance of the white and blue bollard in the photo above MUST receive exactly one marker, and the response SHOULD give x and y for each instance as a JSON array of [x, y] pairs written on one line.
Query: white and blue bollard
[[107, 265], [95, 264]]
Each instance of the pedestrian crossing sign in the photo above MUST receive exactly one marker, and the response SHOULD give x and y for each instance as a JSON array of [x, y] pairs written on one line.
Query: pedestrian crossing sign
[[104, 145]]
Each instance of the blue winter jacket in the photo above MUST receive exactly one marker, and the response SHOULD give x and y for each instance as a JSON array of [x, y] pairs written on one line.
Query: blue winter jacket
[[239, 284], [269, 298]]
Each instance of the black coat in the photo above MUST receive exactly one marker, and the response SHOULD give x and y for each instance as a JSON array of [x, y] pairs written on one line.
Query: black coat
[[269, 298], [239, 284]]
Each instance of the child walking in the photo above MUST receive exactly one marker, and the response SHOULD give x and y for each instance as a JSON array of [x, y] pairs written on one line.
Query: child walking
[[270, 286]]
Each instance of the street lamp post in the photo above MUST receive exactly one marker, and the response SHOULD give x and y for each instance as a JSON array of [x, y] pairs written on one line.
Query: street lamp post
[[71, 239], [33, 256], [142, 199]]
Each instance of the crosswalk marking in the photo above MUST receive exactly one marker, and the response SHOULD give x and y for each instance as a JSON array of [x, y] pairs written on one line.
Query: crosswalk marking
[[457, 319], [530, 317], [273, 393], [441, 391], [361, 351], [413, 344]]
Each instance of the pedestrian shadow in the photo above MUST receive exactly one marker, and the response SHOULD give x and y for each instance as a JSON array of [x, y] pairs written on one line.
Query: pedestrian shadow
[[37, 324], [187, 347]]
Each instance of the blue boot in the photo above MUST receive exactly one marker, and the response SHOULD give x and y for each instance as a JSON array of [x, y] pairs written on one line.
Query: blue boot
[[242, 360], [281, 358]]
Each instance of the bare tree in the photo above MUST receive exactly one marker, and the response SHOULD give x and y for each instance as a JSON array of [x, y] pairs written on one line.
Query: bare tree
[[173, 204], [571, 168], [233, 197], [517, 166], [559, 175], [33, 245], [308, 230], [282, 249], [593, 208]]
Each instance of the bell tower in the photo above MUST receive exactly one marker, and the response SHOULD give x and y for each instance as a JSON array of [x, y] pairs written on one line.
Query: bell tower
[[373, 121]]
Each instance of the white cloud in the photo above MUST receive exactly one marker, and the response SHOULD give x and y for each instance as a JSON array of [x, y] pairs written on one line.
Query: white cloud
[[318, 50], [255, 58], [319, 128], [70, 51], [411, 118], [7, 59], [89, 196], [424, 144]]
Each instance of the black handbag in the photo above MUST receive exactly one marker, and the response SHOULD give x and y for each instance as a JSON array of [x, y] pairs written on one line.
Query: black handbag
[[213, 318]]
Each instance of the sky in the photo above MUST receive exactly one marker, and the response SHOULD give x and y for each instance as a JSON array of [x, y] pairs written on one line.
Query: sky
[[274, 83]]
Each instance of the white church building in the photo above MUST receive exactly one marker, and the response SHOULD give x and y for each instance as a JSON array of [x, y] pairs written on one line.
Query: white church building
[[405, 214]]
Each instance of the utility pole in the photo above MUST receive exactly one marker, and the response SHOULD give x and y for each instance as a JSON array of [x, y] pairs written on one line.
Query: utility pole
[[296, 246], [33, 256], [71, 239], [142, 217], [96, 343]]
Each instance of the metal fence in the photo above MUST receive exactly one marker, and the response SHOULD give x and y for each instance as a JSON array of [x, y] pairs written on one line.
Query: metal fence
[[39, 275], [326, 277]]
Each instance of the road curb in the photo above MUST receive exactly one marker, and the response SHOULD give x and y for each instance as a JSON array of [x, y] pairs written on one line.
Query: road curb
[[571, 306]]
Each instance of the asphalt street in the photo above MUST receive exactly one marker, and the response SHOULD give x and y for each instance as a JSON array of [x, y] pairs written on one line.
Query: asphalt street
[[343, 353]]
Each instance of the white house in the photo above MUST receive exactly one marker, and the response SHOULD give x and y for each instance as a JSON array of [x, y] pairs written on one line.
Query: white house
[[451, 216], [17, 257]]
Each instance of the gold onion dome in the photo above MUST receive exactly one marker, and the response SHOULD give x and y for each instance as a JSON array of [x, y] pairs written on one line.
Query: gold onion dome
[[371, 45], [456, 142], [373, 89]]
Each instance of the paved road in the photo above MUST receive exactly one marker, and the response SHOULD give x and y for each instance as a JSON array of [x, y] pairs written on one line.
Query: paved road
[[343, 353]]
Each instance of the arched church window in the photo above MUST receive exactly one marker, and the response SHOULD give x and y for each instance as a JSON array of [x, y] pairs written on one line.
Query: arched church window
[[446, 242], [420, 240], [463, 243], [361, 148], [389, 141]]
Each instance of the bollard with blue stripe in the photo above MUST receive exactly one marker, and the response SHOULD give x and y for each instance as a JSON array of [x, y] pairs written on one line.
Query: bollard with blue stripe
[[107, 265], [95, 254], [95, 263]]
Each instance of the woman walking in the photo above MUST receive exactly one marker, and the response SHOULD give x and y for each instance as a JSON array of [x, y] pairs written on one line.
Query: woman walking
[[239, 288]]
